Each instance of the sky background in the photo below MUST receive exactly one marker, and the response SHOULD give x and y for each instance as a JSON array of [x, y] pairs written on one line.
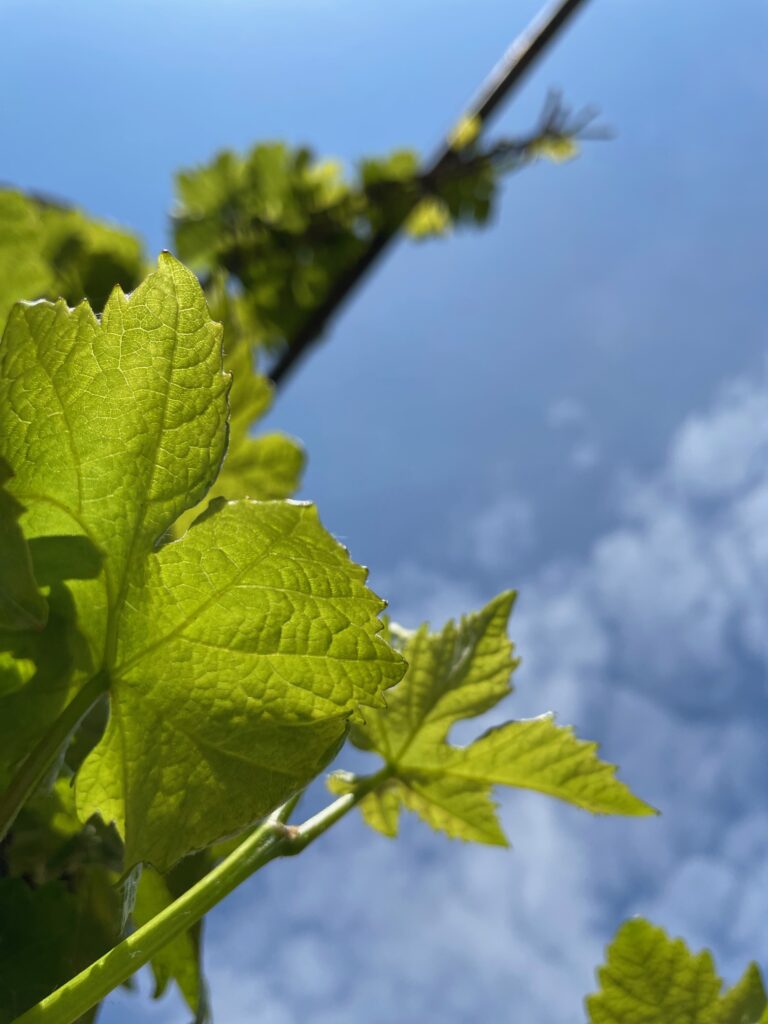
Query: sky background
[[572, 402]]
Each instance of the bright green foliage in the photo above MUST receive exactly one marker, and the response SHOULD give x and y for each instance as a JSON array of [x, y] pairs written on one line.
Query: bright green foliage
[[465, 132], [239, 651], [649, 978], [557, 148], [457, 674], [243, 651], [22, 606], [51, 251], [430, 217]]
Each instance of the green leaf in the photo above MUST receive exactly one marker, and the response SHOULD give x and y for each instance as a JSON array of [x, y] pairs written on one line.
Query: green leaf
[[235, 655], [24, 272], [48, 250], [47, 935], [22, 606], [260, 612], [265, 467], [557, 148], [430, 217], [649, 978], [457, 674], [465, 132], [179, 961], [59, 909], [538, 754], [747, 1001]]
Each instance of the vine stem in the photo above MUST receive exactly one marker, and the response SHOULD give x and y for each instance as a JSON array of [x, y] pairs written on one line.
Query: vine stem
[[516, 62], [39, 762], [269, 841]]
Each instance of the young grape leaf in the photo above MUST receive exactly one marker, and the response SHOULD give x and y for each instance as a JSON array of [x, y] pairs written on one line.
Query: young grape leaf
[[649, 978], [22, 606], [456, 674], [235, 655]]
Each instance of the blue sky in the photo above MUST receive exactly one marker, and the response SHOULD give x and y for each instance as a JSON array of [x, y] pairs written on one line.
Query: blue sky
[[572, 402]]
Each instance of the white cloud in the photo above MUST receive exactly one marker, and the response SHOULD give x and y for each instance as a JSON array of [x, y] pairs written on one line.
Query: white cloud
[[502, 531], [565, 412], [585, 456], [724, 451]]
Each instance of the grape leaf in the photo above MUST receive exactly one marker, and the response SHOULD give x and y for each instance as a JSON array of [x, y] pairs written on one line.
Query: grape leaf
[[456, 674], [235, 655], [265, 467], [59, 909], [22, 606], [649, 978], [24, 273], [47, 935], [747, 1001], [179, 960], [274, 228], [49, 250]]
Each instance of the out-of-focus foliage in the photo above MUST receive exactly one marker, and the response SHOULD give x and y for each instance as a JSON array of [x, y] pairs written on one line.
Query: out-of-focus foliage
[[59, 901], [272, 230], [649, 978], [49, 251]]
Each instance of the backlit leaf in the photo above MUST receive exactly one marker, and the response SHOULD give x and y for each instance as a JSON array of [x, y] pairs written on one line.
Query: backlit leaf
[[234, 656], [457, 674]]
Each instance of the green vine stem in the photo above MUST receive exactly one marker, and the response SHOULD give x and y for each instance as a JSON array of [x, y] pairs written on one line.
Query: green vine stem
[[39, 762], [269, 841]]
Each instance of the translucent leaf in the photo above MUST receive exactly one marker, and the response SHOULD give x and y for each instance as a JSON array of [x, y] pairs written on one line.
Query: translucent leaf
[[457, 674], [235, 655], [244, 649], [541, 755]]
